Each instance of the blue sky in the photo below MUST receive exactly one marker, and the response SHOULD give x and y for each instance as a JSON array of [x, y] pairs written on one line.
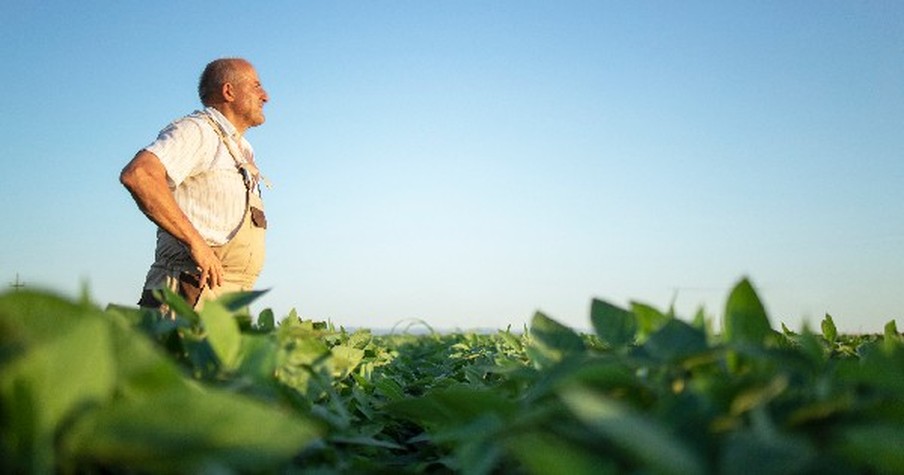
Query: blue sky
[[469, 163]]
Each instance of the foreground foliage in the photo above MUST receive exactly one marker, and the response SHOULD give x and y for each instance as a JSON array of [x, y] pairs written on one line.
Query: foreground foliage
[[120, 390]]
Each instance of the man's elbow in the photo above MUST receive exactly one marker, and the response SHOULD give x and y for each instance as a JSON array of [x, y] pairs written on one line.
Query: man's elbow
[[127, 177], [135, 172]]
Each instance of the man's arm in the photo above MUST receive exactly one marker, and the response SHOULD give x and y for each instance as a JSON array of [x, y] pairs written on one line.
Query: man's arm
[[145, 178]]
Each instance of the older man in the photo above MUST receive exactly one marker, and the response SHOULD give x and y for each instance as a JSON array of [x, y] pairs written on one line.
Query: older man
[[199, 183]]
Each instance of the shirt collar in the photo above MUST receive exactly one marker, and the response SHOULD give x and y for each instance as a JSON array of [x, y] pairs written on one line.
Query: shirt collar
[[221, 119]]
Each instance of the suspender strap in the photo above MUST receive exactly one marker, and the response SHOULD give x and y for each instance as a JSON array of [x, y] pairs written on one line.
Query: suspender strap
[[249, 171]]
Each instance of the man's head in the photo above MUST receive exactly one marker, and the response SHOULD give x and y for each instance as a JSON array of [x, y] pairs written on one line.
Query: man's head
[[231, 86]]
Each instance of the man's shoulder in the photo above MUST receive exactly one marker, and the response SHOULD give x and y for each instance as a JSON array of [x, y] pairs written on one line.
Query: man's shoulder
[[190, 125], [195, 119], [188, 134]]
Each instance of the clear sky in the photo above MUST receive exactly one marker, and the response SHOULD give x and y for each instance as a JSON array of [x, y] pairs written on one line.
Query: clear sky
[[471, 162]]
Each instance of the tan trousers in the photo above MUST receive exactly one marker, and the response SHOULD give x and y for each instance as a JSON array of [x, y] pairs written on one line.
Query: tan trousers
[[242, 258]]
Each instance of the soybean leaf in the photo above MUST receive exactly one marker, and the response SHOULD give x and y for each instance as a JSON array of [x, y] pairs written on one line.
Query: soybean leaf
[[644, 440], [258, 358], [745, 317], [829, 332], [649, 319], [236, 301], [141, 366], [615, 326], [746, 452], [874, 447], [389, 388], [50, 381], [445, 408], [543, 453], [676, 340], [345, 359], [181, 431], [553, 340], [892, 339], [178, 305], [266, 321], [222, 333]]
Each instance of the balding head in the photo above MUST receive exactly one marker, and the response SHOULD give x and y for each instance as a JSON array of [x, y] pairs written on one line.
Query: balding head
[[216, 74]]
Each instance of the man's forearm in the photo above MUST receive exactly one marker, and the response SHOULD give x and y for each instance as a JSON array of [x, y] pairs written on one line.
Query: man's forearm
[[145, 178]]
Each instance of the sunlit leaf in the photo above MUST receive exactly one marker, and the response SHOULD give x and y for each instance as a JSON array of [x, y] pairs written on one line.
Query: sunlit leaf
[[648, 319], [222, 333], [554, 340], [178, 305], [829, 332], [345, 359], [236, 301]]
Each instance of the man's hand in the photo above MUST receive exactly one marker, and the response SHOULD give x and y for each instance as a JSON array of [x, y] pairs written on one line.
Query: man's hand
[[209, 265]]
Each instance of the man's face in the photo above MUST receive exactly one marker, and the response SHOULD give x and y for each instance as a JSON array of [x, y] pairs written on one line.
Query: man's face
[[250, 97]]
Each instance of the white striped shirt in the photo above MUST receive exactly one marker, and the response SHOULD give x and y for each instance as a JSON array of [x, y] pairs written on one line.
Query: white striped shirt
[[202, 174]]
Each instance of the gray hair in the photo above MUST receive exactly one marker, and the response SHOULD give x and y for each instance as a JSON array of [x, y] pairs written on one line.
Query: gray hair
[[217, 73]]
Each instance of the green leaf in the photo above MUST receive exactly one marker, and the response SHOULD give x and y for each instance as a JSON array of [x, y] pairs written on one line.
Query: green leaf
[[787, 331], [676, 340], [222, 332], [615, 326], [746, 452], [745, 317], [644, 440], [553, 340], [57, 359], [50, 381], [605, 374], [812, 347], [182, 431], [359, 339], [236, 301], [451, 407], [345, 359], [759, 395], [877, 368], [178, 305], [389, 388], [829, 332], [892, 338], [266, 321], [258, 358], [875, 446], [891, 330], [648, 319], [543, 453], [141, 366]]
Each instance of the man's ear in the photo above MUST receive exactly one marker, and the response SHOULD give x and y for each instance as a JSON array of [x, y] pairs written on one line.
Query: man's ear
[[228, 92]]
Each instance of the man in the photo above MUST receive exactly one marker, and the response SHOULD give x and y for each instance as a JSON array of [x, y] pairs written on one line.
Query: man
[[198, 182]]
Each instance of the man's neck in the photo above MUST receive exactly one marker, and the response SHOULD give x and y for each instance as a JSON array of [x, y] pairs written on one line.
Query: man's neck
[[232, 117]]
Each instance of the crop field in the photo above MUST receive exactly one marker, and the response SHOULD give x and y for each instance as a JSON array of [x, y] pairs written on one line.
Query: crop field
[[118, 390]]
